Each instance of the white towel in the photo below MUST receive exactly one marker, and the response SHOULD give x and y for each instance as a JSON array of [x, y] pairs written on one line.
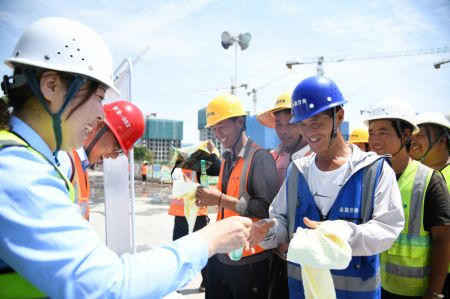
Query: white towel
[[317, 251], [187, 190]]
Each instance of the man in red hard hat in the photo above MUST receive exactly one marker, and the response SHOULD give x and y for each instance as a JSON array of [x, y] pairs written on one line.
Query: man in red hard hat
[[114, 135]]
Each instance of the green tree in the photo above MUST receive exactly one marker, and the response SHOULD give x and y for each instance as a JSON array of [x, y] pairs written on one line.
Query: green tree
[[142, 153]]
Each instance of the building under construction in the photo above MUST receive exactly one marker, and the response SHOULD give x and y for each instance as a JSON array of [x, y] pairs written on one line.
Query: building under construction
[[160, 135]]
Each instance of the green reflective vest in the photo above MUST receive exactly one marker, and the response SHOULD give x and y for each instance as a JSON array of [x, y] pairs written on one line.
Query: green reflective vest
[[446, 174], [12, 284], [405, 267]]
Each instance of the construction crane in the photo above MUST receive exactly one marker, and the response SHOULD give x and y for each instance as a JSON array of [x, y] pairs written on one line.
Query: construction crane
[[140, 55], [254, 91], [233, 89], [321, 59]]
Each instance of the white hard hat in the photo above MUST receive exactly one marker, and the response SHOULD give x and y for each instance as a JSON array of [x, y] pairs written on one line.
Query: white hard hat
[[432, 118], [65, 45], [394, 108]]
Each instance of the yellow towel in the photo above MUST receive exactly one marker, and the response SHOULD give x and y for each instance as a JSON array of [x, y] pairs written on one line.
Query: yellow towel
[[317, 251], [187, 190]]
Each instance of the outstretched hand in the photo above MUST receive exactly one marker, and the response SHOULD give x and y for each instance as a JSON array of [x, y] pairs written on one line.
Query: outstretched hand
[[259, 230]]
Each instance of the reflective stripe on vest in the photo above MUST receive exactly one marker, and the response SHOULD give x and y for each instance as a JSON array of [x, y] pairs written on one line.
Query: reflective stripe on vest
[[80, 183], [362, 276], [352, 284], [406, 265], [237, 187], [12, 284], [176, 207]]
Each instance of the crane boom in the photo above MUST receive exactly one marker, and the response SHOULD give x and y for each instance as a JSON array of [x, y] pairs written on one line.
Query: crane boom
[[381, 55]]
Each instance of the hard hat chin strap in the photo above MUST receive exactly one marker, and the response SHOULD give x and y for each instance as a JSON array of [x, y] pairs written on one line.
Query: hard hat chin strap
[[94, 141], [399, 130], [30, 75], [431, 143], [233, 148], [333, 129]]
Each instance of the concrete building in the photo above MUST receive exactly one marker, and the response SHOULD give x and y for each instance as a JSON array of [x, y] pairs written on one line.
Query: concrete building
[[160, 135], [206, 133]]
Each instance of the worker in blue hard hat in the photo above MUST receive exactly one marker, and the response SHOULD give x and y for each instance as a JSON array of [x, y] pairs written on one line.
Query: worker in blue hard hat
[[340, 183]]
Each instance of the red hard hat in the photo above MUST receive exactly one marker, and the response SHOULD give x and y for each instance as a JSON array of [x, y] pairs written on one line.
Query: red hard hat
[[126, 121]]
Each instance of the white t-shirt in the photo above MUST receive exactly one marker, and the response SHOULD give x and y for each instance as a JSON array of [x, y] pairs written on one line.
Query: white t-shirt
[[325, 185]]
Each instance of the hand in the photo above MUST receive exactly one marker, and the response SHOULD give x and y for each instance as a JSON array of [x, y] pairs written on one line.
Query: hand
[[226, 235], [207, 196], [259, 230], [311, 223], [210, 146], [281, 250]]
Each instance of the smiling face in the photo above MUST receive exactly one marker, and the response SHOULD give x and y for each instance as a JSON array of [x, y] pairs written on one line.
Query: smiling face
[[383, 138], [81, 115], [318, 128], [289, 134], [106, 146], [420, 142], [227, 131]]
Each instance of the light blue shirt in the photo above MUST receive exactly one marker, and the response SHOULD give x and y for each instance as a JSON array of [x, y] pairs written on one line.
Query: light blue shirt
[[45, 239], [65, 164]]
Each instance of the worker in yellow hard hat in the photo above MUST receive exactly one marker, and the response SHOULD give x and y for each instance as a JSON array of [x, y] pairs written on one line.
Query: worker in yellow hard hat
[[247, 185], [360, 137]]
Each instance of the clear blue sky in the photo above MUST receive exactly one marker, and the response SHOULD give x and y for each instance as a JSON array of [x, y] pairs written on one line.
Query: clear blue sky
[[186, 63]]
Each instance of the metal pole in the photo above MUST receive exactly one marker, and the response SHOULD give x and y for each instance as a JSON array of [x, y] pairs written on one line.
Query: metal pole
[[131, 160], [235, 68]]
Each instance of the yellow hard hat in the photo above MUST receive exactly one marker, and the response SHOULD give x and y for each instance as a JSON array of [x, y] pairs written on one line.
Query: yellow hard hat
[[267, 118], [360, 134], [223, 107]]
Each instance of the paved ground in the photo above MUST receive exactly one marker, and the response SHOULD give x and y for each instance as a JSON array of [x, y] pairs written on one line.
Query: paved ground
[[153, 224]]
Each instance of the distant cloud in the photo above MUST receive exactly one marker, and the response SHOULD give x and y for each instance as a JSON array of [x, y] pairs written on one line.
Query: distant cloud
[[287, 7]]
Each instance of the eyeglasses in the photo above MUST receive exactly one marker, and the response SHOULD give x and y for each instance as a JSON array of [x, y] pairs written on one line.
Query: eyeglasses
[[118, 149]]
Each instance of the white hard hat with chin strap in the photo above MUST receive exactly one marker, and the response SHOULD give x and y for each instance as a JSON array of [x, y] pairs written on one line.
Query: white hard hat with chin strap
[[63, 45], [432, 118], [397, 110]]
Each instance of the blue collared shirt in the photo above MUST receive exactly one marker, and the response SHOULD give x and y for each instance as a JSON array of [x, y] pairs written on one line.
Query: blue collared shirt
[[45, 239]]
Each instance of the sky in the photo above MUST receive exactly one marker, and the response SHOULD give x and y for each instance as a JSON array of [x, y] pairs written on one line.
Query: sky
[[186, 66]]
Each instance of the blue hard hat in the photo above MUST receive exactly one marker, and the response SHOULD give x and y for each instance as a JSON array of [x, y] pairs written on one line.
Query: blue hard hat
[[314, 95]]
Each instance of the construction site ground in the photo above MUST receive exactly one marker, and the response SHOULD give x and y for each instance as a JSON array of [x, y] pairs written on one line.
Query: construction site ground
[[153, 226]]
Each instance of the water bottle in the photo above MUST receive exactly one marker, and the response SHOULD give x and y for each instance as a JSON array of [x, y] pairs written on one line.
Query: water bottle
[[236, 254], [203, 175]]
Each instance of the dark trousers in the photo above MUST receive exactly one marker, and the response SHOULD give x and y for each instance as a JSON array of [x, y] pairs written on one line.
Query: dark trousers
[[237, 282], [278, 288], [181, 229]]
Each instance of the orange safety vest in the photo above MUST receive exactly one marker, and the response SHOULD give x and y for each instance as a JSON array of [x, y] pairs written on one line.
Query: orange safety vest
[[144, 169], [176, 207], [237, 185], [80, 182]]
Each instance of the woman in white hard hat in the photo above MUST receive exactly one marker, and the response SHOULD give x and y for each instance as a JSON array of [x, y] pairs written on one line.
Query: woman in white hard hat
[[61, 72]]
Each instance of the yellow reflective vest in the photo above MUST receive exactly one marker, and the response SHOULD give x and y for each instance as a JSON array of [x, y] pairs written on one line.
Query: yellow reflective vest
[[12, 284], [446, 174], [405, 267]]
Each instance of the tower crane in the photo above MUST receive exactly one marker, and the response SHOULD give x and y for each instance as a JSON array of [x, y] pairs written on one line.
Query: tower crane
[[254, 91], [321, 59]]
